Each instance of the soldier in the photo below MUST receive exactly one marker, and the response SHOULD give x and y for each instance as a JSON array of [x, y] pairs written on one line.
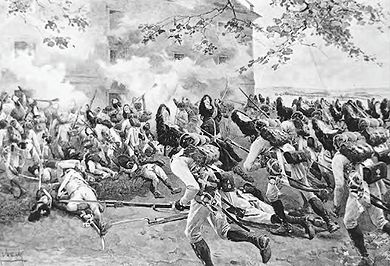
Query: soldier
[[351, 171], [191, 165], [263, 147]]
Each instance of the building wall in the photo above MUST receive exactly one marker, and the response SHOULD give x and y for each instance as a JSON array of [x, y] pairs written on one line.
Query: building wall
[[124, 41], [114, 19]]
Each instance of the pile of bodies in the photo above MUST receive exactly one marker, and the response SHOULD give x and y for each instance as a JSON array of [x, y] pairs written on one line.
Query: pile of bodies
[[325, 151]]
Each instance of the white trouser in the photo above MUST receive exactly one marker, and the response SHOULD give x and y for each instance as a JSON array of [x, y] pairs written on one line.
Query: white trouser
[[197, 218]]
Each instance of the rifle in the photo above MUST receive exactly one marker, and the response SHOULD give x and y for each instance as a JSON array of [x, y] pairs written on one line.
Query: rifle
[[77, 118], [117, 204], [228, 140], [301, 186], [121, 203], [377, 202], [163, 220], [257, 107], [92, 99], [360, 111], [386, 181], [226, 89], [237, 145], [156, 220], [209, 202]]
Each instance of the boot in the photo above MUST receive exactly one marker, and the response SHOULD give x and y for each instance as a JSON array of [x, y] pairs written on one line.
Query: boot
[[304, 222], [156, 193], [366, 261], [357, 237], [306, 206], [275, 219], [239, 171], [202, 251], [386, 228], [170, 187], [316, 221], [318, 208], [261, 242], [284, 228]]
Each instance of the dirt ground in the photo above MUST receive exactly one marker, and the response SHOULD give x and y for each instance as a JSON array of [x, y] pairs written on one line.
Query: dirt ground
[[62, 240]]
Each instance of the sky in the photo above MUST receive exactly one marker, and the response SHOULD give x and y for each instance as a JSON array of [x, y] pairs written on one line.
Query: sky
[[326, 68]]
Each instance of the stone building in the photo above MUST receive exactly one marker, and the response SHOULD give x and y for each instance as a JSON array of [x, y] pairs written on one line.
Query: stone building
[[124, 42], [113, 38]]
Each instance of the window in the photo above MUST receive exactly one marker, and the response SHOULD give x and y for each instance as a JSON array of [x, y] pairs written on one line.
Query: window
[[112, 56], [114, 16], [222, 59], [221, 25], [22, 47], [178, 56]]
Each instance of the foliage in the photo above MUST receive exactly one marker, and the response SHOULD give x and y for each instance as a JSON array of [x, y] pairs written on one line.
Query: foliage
[[54, 16], [331, 20]]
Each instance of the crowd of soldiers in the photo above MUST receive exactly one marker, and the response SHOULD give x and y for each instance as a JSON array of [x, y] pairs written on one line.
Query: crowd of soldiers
[[319, 149]]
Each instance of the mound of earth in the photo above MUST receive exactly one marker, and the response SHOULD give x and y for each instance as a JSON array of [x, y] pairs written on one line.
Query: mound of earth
[[123, 188]]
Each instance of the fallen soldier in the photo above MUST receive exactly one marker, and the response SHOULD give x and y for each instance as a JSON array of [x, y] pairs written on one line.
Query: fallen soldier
[[150, 171], [71, 194], [249, 205]]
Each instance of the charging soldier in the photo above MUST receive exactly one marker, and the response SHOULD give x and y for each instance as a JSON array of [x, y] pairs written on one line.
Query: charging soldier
[[192, 166], [262, 147], [349, 170]]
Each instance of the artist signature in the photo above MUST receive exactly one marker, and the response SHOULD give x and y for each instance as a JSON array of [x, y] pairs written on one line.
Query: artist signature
[[8, 256]]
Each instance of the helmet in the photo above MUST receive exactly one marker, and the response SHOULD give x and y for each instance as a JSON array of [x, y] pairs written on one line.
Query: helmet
[[273, 167]]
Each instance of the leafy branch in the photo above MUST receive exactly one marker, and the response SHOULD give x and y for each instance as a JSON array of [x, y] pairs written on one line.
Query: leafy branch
[[54, 15], [331, 20]]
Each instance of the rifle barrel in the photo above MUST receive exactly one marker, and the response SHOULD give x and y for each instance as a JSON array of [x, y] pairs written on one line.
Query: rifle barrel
[[257, 107], [138, 204]]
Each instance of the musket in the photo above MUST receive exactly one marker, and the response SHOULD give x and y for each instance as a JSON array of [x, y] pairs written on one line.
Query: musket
[[301, 186], [143, 102], [386, 181], [92, 99], [237, 145], [163, 220], [29, 177], [257, 107], [228, 139], [77, 118], [116, 204], [377, 202], [121, 203], [128, 221], [226, 89], [357, 108], [209, 202], [154, 221]]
